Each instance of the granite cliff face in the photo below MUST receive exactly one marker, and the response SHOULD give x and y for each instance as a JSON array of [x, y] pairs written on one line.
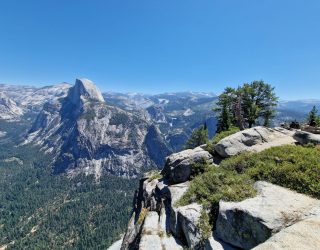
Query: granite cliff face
[[88, 136]]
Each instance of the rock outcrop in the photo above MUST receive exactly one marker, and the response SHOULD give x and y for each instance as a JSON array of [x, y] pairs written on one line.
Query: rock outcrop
[[276, 218], [84, 89], [189, 216], [254, 140], [178, 166], [302, 235], [157, 220], [250, 222], [304, 137]]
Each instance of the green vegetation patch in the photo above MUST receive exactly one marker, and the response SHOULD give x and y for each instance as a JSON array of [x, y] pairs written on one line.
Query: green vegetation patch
[[40, 210], [155, 175], [294, 167], [216, 184]]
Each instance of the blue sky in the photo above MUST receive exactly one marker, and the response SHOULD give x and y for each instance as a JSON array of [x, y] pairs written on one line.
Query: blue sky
[[154, 46]]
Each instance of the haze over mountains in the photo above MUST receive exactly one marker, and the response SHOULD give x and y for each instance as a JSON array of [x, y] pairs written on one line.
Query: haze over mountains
[[123, 134]]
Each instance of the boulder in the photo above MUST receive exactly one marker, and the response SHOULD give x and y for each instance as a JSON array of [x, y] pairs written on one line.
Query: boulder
[[149, 193], [248, 223], [214, 243], [174, 194], [304, 137], [177, 191], [188, 218], [254, 139], [178, 167], [302, 235]]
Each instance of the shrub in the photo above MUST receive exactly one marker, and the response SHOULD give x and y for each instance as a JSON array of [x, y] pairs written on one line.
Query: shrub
[[155, 175], [294, 167], [204, 225], [216, 184], [199, 167]]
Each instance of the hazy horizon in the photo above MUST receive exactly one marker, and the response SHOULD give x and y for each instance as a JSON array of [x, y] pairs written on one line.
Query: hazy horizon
[[150, 94]]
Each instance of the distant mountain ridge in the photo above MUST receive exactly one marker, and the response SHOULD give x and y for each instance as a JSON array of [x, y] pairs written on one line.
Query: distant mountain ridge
[[74, 120], [32, 99]]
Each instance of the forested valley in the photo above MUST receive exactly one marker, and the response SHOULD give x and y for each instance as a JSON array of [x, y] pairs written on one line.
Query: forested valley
[[40, 210]]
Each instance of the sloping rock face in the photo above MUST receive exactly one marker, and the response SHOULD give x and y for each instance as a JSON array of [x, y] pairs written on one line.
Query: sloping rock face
[[157, 220], [87, 136], [178, 166], [250, 222], [254, 139], [83, 89], [149, 225], [304, 138], [189, 216], [302, 235], [8, 108], [158, 223], [214, 243]]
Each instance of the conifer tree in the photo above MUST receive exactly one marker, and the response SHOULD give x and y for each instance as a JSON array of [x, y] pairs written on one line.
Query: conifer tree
[[245, 106], [198, 137], [312, 117]]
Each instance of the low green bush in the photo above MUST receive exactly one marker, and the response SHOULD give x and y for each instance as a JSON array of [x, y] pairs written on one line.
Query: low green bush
[[294, 167], [216, 184], [155, 175]]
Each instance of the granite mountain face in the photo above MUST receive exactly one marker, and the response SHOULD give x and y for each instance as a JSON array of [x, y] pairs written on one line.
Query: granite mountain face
[[88, 136]]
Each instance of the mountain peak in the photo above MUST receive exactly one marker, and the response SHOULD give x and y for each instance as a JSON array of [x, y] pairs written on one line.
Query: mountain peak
[[85, 88]]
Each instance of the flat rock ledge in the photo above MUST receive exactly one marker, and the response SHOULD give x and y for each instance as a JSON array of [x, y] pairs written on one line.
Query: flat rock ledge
[[304, 138], [254, 139], [302, 235], [249, 223]]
